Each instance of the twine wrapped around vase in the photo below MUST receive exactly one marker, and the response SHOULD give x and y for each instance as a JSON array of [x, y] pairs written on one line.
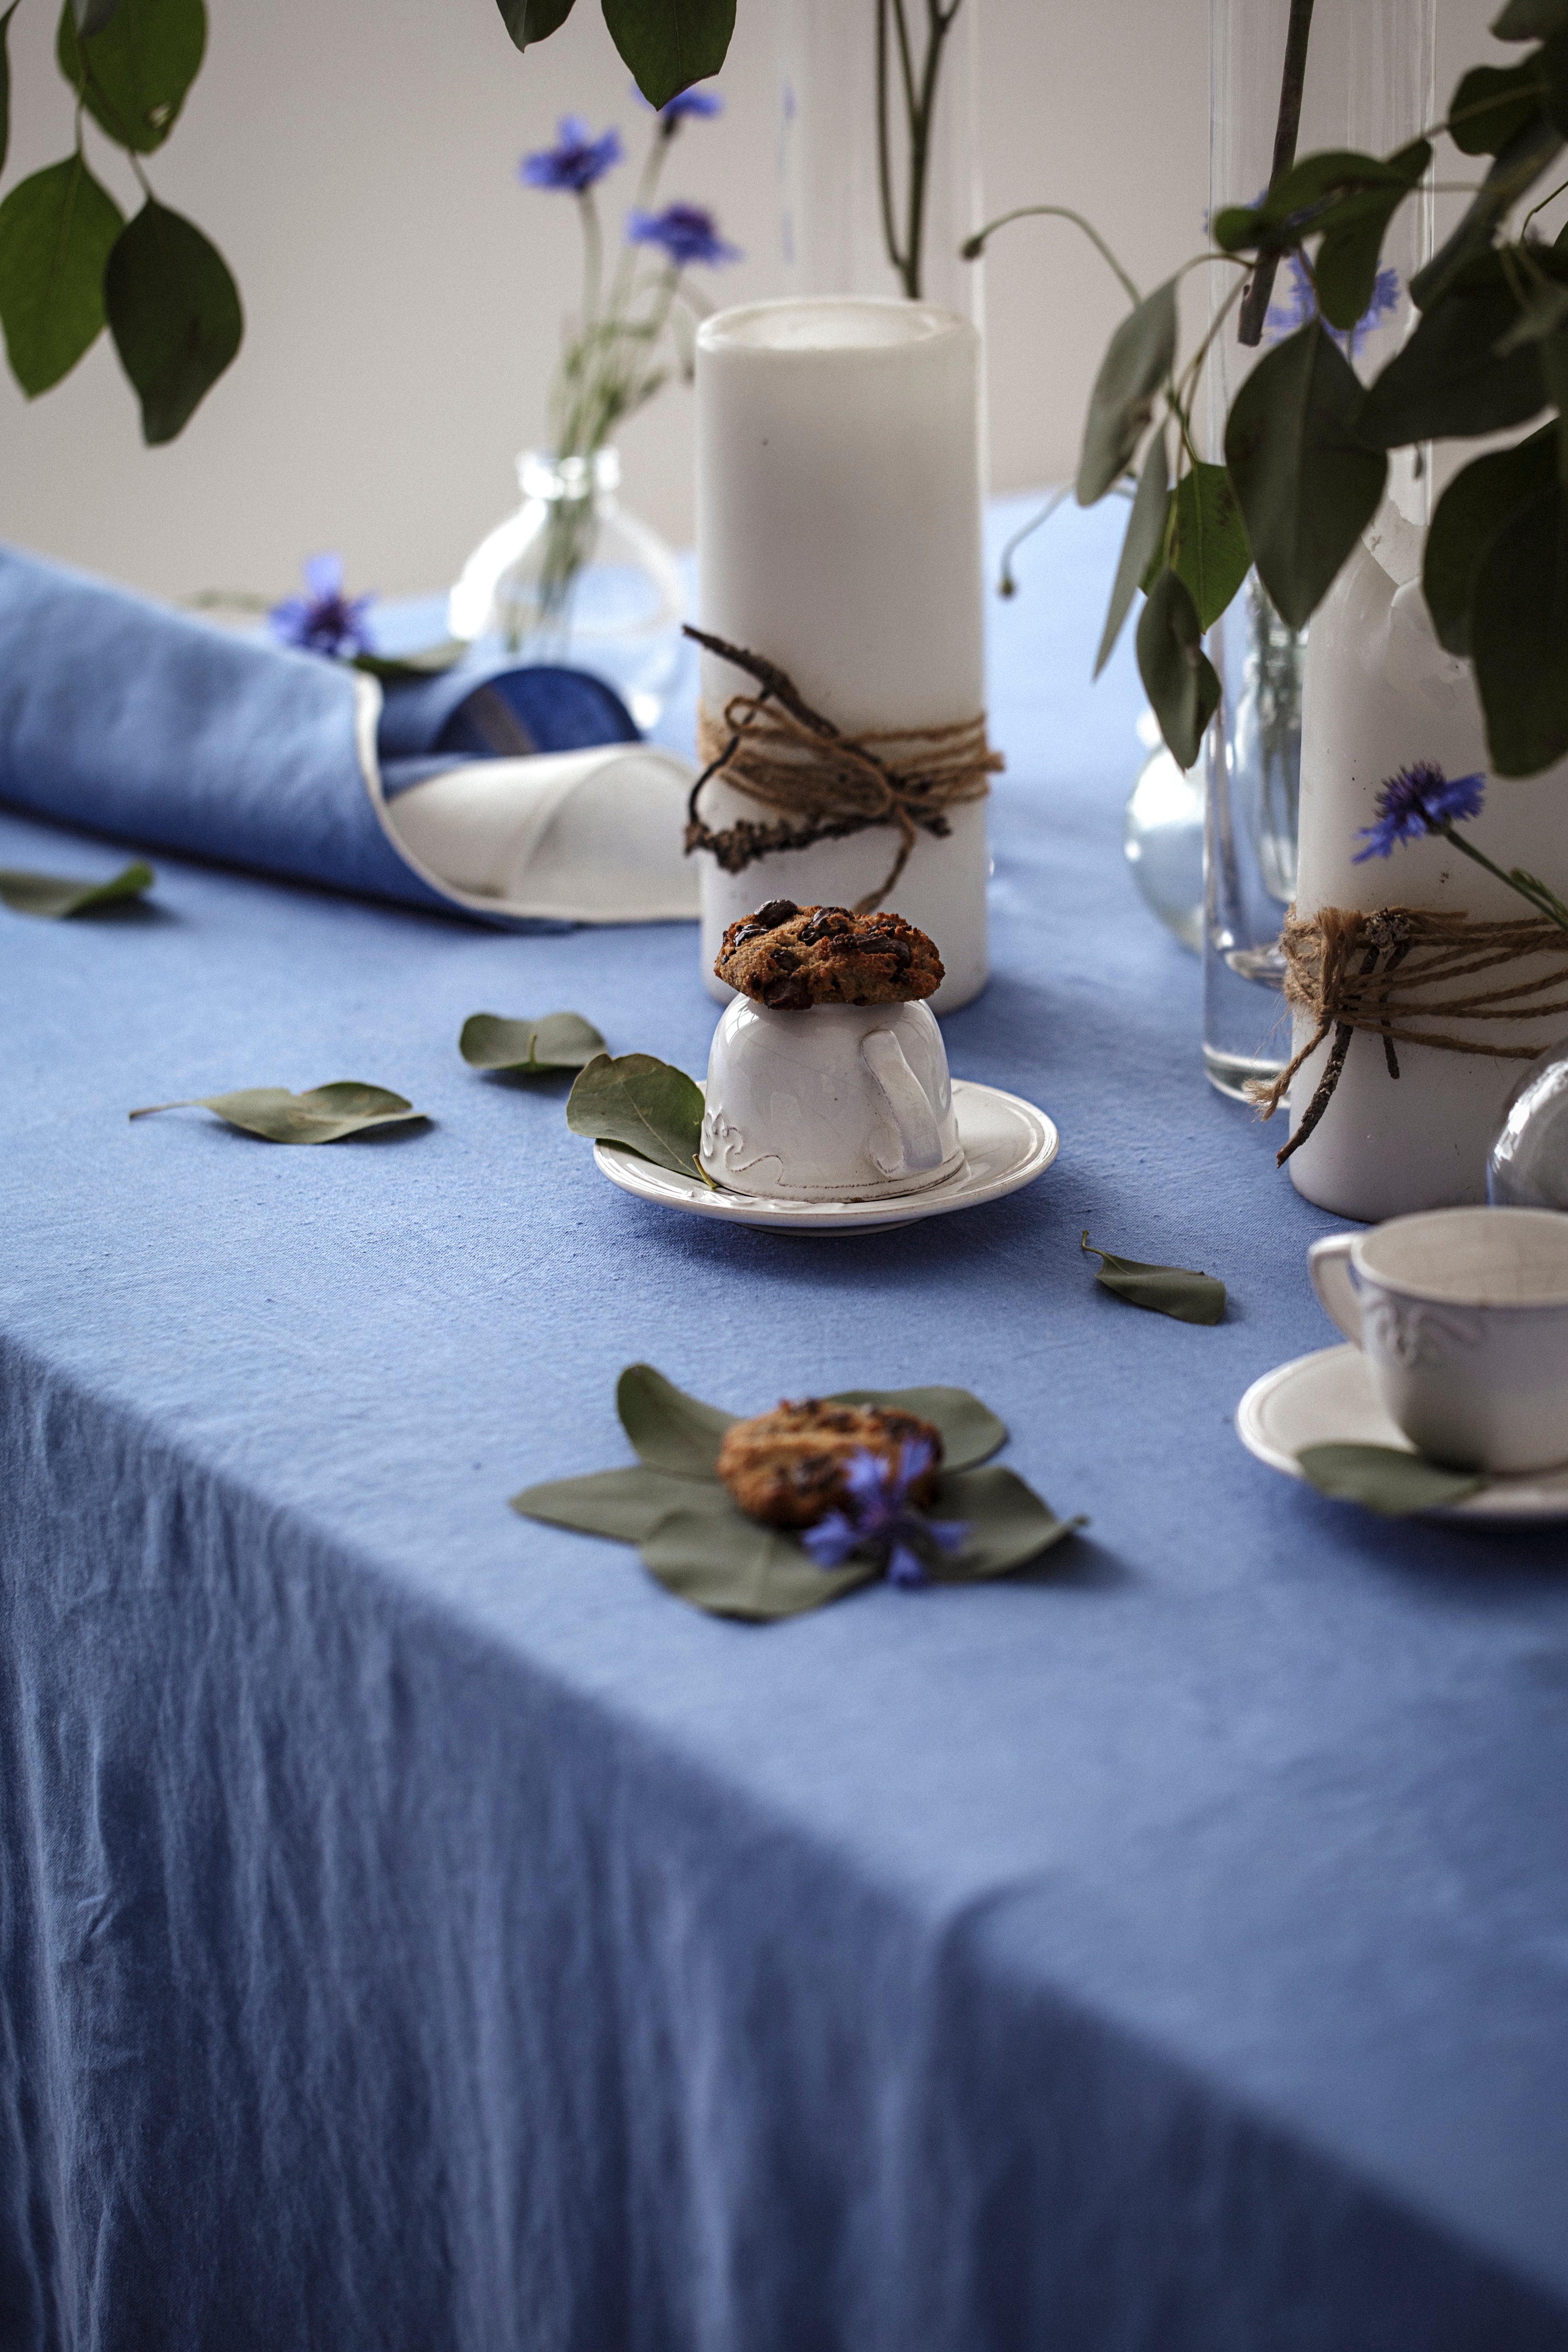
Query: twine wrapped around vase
[[1379, 972], [824, 785]]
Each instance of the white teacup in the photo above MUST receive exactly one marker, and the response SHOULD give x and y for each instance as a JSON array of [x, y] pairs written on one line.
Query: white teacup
[[1463, 1315], [842, 1102]]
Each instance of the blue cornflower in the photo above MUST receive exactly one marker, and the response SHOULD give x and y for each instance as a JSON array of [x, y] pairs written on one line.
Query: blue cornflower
[[325, 621], [693, 104], [880, 1518], [1284, 318], [575, 162], [685, 233], [1418, 800]]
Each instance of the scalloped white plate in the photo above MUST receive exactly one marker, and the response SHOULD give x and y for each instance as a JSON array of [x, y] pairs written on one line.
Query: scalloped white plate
[[1327, 1399], [1006, 1144]]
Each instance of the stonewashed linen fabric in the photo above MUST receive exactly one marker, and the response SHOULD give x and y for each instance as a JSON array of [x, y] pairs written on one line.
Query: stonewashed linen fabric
[[420, 1932]]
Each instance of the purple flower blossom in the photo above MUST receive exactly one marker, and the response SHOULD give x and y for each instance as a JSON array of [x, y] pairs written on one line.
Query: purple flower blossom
[[684, 233], [1418, 800], [694, 104], [575, 162], [1284, 318], [325, 621], [879, 1519]]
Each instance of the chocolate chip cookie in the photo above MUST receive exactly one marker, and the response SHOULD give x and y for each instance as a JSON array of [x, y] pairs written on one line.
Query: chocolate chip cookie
[[793, 957], [788, 1466]]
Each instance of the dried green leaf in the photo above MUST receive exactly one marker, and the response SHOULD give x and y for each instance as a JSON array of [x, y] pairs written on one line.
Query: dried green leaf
[[175, 313], [1178, 676], [1137, 362], [1385, 1478], [1142, 547], [322, 1114], [719, 1560], [1308, 483], [1471, 512], [653, 1108], [626, 1505], [559, 1041], [1209, 553], [134, 69], [971, 1432], [668, 1429], [57, 230], [1175, 1290], [1009, 1526], [54, 894]]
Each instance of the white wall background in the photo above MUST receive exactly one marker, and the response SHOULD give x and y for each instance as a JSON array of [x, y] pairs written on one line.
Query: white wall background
[[354, 161]]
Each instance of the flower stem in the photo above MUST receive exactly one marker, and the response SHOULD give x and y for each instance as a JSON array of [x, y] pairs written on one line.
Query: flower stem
[[1536, 894]]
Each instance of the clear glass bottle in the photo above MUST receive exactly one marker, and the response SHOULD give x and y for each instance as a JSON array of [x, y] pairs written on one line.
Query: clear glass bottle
[[831, 218], [1368, 85], [571, 578]]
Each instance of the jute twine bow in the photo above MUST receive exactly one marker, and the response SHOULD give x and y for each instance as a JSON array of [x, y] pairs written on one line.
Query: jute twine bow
[[1379, 972], [774, 747]]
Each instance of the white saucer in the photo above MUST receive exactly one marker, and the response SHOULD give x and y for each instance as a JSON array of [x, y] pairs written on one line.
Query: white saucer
[[1006, 1144], [1327, 1399]]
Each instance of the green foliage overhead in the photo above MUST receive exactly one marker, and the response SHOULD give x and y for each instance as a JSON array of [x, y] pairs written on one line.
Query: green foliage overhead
[[133, 74], [174, 311], [667, 44], [1179, 679], [1136, 364], [1307, 481], [56, 229]]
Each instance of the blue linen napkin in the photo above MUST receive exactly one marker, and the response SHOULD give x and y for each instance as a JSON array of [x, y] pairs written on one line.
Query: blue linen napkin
[[131, 719]]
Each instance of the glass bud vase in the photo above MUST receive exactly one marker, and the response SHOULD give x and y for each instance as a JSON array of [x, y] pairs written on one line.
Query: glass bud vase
[[1527, 1166], [571, 578], [1367, 85], [833, 227]]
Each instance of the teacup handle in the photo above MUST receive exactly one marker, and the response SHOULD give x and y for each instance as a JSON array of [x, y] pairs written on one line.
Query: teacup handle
[[907, 1099], [1334, 1279]]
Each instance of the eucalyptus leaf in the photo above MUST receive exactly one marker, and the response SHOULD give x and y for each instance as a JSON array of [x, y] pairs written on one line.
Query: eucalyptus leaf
[[533, 20], [322, 1114], [1209, 553], [56, 231], [735, 1566], [626, 1505], [971, 1433], [1333, 192], [175, 313], [1530, 20], [92, 16], [1493, 105], [1449, 377], [54, 894], [1173, 1290], [1009, 1525], [403, 670], [1519, 636], [668, 1429], [1138, 360], [558, 1041], [1385, 1478], [670, 44], [6, 82], [1521, 163], [1142, 547], [134, 69], [1307, 481], [1178, 676], [1470, 512], [655, 1109]]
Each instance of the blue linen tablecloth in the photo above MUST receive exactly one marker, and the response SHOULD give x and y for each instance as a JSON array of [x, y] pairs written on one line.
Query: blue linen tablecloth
[[420, 1931]]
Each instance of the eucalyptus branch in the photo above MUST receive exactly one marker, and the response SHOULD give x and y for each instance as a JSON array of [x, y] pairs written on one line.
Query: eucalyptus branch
[[1007, 586], [1560, 190], [1292, 82], [975, 246]]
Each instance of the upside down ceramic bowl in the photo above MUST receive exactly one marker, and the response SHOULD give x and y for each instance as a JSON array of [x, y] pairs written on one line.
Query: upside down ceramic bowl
[[842, 1102]]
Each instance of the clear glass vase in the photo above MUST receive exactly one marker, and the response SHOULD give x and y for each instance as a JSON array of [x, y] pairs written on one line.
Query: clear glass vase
[[1368, 85], [1528, 1164], [571, 578], [832, 225]]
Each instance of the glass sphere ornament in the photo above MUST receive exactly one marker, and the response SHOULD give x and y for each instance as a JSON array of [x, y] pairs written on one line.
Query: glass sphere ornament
[[1527, 1166]]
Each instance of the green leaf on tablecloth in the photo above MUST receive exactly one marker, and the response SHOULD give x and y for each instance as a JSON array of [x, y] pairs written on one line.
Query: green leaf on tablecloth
[[1009, 1525], [1137, 362], [1173, 1290], [135, 66], [57, 230], [670, 44], [624, 1503], [533, 20], [1308, 483], [971, 1432], [175, 313], [1178, 676], [1385, 1478], [668, 1429], [1209, 553], [1142, 545], [559, 1041], [653, 1108], [710, 1554], [55, 895], [404, 669], [320, 1115]]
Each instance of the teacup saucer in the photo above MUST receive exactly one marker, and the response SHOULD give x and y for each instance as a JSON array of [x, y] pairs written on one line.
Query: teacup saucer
[[1327, 1399], [1006, 1144]]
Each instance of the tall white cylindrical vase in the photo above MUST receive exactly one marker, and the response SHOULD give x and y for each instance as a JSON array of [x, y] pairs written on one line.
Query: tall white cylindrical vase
[[839, 521], [1381, 693]]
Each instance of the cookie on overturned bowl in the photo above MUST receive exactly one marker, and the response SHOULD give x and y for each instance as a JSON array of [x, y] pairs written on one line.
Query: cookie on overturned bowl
[[788, 1466], [791, 958]]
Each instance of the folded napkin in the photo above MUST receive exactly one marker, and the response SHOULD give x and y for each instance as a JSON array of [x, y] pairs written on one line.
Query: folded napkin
[[516, 795]]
